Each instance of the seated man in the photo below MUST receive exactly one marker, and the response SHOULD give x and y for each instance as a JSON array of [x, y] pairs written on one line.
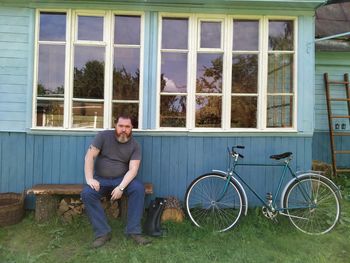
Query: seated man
[[111, 165]]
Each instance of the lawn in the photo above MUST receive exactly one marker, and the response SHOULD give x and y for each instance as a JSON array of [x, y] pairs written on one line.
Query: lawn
[[255, 239]]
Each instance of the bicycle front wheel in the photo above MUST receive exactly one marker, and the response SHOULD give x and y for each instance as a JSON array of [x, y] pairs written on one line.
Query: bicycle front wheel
[[312, 204], [214, 203]]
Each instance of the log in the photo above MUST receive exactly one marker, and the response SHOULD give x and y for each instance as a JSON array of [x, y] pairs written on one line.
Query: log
[[172, 210]]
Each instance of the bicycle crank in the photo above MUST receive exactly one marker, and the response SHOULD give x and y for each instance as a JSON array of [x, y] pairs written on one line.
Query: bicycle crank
[[268, 213]]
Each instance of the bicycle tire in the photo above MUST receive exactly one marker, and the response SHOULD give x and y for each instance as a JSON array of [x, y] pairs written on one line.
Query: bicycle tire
[[206, 211], [320, 203]]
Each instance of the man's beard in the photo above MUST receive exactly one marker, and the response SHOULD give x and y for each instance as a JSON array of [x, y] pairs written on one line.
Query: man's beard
[[123, 137]]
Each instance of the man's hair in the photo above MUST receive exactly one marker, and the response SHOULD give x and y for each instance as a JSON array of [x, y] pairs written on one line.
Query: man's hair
[[123, 116]]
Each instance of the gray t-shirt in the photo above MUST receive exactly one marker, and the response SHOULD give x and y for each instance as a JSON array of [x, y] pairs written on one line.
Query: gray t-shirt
[[114, 157]]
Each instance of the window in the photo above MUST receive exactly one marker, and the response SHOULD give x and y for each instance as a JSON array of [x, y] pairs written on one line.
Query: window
[[226, 73], [88, 72]]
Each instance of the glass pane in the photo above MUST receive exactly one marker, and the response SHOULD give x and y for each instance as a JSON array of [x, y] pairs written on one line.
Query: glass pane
[[245, 35], [126, 74], [87, 114], [174, 72], [173, 111], [243, 112], [279, 111], [90, 28], [281, 35], [280, 73], [131, 109], [49, 113], [127, 30], [89, 72], [245, 73], [51, 71], [174, 33], [52, 27], [208, 111], [210, 35], [209, 73]]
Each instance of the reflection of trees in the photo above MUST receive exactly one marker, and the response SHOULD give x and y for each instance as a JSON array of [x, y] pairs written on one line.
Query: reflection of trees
[[244, 74], [211, 81], [42, 91], [172, 108], [125, 84], [89, 80], [283, 41]]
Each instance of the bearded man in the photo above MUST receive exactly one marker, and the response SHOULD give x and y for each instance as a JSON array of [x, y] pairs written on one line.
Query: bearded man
[[111, 165]]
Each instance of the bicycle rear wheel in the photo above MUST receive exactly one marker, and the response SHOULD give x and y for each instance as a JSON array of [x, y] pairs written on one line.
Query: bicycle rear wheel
[[312, 204], [212, 207]]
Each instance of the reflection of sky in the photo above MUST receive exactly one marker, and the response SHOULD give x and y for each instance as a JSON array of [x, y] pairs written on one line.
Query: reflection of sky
[[90, 28], [85, 54], [210, 34], [174, 68], [51, 66], [52, 26], [127, 30], [129, 58], [245, 35], [204, 61], [174, 33], [277, 28]]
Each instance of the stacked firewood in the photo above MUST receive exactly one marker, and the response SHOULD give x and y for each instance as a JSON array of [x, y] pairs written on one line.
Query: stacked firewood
[[172, 210], [70, 207]]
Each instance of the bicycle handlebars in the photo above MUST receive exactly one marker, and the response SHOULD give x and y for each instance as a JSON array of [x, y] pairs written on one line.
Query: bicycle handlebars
[[233, 152]]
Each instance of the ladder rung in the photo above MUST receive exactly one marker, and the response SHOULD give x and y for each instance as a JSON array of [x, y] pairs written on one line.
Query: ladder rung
[[341, 133], [340, 116], [342, 170], [342, 152], [339, 99], [338, 82]]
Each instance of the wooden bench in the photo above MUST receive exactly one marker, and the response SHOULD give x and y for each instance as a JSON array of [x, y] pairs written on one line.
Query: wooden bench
[[48, 197]]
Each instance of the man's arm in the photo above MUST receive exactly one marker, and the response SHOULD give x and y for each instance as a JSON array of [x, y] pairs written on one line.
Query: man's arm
[[90, 157], [129, 176]]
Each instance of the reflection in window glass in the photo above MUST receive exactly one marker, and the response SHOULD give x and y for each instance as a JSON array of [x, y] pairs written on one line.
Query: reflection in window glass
[[173, 111], [89, 72], [127, 30], [174, 33], [174, 72], [51, 71], [87, 115], [281, 35], [208, 111], [244, 112], [130, 109], [52, 26], [279, 111], [245, 35], [245, 74], [126, 74], [209, 73], [49, 113], [280, 73], [210, 35], [90, 28]]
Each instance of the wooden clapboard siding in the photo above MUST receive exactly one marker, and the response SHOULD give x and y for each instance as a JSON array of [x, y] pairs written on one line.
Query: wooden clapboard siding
[[169, 162], [16, 49]]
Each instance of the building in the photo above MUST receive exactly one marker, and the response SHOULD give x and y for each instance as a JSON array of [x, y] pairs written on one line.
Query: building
[[197, 76]]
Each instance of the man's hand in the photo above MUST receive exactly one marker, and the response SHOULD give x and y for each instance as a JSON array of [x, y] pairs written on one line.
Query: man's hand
[[94, 184], [116, 193]]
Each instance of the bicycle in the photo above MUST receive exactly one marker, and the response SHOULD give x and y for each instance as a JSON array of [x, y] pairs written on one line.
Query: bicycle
[[217, 200]]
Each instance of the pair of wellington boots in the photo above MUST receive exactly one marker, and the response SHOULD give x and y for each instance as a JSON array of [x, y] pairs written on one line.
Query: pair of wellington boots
[[152, 226]]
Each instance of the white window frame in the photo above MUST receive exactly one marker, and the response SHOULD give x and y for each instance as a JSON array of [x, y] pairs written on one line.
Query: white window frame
[[226, 42], [71, 41]]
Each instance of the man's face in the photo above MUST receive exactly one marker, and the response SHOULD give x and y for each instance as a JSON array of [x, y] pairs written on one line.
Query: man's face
[[123, 130]]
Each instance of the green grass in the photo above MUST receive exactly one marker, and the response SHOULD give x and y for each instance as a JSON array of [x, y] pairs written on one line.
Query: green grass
[[255, 239]]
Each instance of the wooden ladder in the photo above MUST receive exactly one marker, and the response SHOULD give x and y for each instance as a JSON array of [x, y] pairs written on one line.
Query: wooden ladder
[[333, 132]]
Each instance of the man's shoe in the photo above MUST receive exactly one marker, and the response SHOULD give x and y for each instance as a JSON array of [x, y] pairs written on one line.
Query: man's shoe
[[139, 239], [100, 241]]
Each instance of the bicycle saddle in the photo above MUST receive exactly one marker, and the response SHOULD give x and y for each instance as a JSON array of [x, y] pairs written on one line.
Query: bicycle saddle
[[281, 156]]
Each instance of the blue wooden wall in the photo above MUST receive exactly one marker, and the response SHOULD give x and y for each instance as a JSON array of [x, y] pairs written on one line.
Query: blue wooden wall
[[169, 162]]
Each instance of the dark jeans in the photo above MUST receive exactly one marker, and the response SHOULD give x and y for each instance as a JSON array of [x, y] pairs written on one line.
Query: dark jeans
[[93, 207]]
